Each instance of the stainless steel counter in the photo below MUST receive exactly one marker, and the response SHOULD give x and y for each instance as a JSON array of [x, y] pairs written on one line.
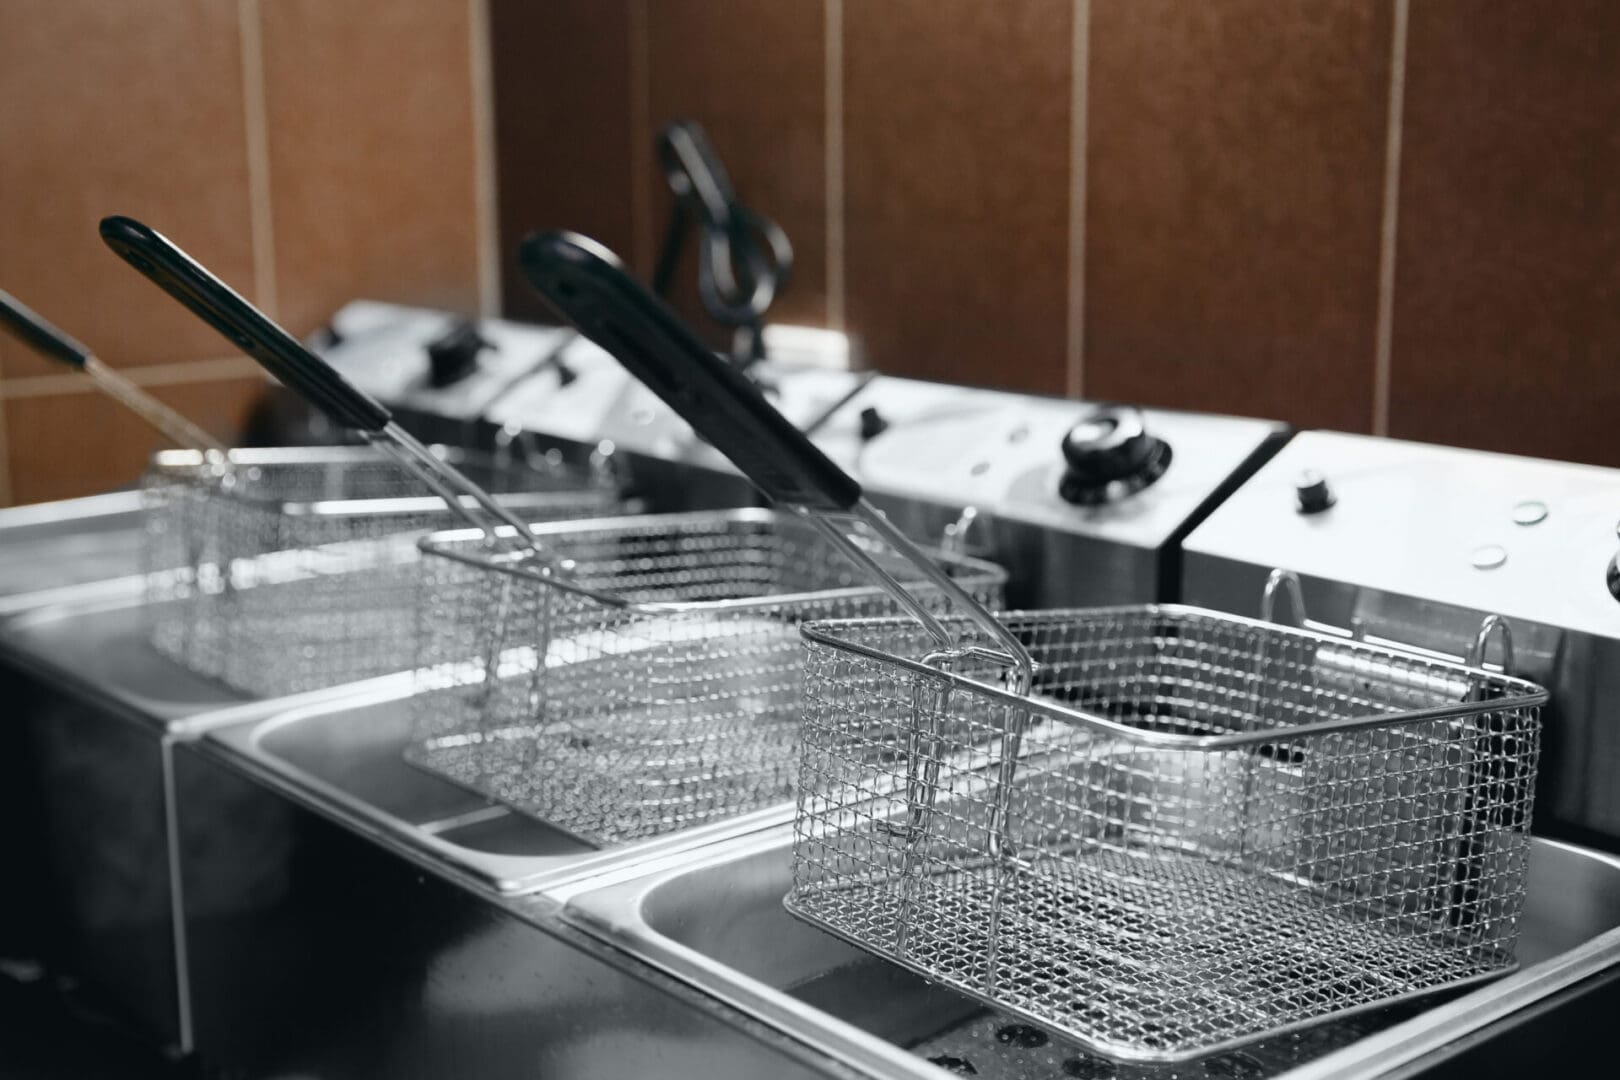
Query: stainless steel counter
[[346, 755], [48, 549]]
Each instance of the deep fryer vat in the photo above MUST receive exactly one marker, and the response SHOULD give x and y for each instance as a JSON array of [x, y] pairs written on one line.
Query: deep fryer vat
[[294, 569], [1211, 829], [653, 684]]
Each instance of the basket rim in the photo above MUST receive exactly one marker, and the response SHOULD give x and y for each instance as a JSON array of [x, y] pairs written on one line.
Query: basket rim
[[1524, 692], [979, 572], [178, 466]]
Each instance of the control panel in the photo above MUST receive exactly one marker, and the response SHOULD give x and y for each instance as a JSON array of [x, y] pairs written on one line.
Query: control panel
[[1533, 540], [1130, 476], [1122, 476]]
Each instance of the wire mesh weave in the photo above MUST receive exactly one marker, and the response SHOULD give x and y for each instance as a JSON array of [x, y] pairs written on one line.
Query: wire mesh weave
[[295, 569], [1187, 858], [658, 691]]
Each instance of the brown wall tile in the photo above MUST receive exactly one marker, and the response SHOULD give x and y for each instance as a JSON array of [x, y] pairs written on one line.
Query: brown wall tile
[[956, 155], [372, 154], [1507, 288], [1235, 173], [562, 128], [67, 445], [5, 444], [752, 73], [119, 108]]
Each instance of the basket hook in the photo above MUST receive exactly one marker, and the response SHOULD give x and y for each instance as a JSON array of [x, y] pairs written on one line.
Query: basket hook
[[1489, 626], [604, 464], [953, 541], [1287, 581]]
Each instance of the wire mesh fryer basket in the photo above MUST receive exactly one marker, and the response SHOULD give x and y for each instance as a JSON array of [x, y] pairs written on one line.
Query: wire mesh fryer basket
[[294, 568], [657, 687], [1209, 830]]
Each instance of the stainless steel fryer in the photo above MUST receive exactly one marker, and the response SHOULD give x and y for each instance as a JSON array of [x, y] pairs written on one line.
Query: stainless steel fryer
[[215, 479], [648, 679], [1003, 869], [714, 918], [1200, 830], [292, 569]]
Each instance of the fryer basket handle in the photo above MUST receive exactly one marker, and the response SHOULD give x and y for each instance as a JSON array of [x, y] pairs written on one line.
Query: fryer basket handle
[[162, 262], [587, 285], [39, 334], [52, 342]]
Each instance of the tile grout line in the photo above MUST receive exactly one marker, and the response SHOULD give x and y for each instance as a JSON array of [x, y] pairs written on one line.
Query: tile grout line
[[485, 181], [1079, 79], [833, 103], [218, 369], [640, 120], [1388, 227], [5, 449], [261, 217]]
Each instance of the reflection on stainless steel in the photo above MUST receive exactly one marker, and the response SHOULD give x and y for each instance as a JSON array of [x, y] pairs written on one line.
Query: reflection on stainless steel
[[716, 918], [96, 707], [363, 966], [98, 713], [51, 548], [102, 646], [48, 552]]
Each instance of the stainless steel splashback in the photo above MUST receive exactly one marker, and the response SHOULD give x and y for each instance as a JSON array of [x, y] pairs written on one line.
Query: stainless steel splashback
[[1085, 504], [1416, 543]]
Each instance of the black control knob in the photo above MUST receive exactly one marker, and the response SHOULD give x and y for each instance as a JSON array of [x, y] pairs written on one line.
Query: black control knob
[[553, 361], [1312, 493], [1613, 576], [454, 356], [872, 424], [1110, 455]]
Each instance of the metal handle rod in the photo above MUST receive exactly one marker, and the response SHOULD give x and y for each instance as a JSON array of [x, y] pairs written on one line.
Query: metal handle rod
[[824, 417], [588, 285], [1023, 665], [166, 421], [51, 342], [452, 485], [551, 357]]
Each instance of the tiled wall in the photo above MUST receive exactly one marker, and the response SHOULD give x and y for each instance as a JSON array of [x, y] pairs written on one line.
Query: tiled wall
[[1397, 216], [1377, 215], [307, 151]]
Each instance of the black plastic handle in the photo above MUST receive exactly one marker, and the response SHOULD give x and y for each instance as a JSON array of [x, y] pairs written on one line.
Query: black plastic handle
[[587, 285], [33, 330], [244, 325]]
